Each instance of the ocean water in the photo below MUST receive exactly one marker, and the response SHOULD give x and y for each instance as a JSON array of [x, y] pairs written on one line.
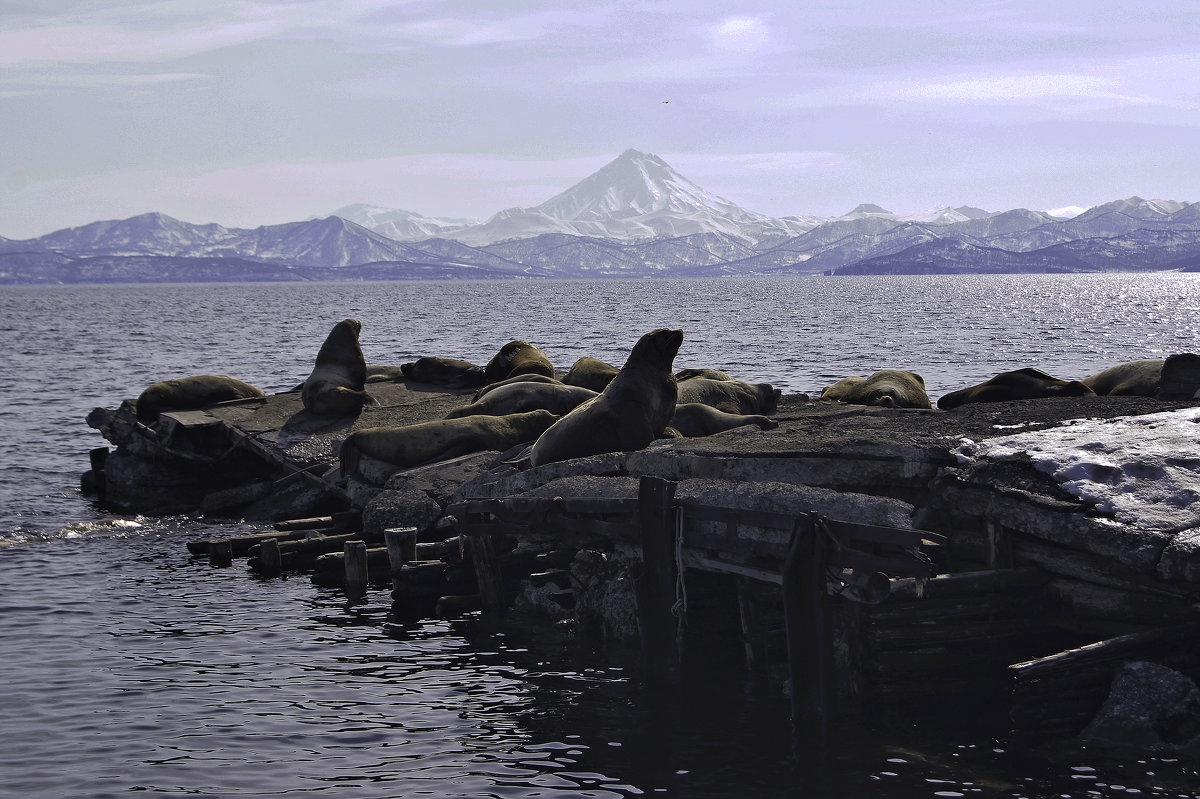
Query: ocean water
[[131, 667]]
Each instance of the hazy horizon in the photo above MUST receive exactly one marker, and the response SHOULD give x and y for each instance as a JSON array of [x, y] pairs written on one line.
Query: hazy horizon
[[253, 112]]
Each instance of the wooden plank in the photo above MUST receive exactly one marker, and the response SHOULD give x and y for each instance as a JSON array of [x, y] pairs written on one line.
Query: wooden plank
[[694, 513], [877, 534], [893, 566], [656, 594], [692, 560], [722, 540], [312, 523], [970, 583], [1111, 652]]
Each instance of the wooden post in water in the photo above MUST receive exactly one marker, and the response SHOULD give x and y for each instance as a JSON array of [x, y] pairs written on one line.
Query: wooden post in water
[[356, 566], [656, 594], [809, 638], [220, 552], [488, 573], [270, 560], [401, 546]]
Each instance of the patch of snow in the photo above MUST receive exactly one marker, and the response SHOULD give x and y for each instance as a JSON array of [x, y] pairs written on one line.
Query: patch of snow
[[1144, 471]]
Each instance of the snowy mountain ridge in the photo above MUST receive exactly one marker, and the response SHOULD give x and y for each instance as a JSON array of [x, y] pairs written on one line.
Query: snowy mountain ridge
[[636, 216]]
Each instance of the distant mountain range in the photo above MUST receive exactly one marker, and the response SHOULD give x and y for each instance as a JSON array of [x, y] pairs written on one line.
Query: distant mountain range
[[635, 217]]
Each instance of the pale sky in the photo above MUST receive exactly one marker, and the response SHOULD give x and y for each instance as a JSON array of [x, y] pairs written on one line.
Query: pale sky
[[250, 112]]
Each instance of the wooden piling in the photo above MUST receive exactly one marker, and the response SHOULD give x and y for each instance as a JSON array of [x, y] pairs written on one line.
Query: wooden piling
[[401, 546], [220, 552], [488, 573], [809, 636], [656, 594], [356, 567], [270, 559]]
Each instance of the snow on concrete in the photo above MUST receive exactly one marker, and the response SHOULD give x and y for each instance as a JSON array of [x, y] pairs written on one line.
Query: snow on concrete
[[1142, 470]]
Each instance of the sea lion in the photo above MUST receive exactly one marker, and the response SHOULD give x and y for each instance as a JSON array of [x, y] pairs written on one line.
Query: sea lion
[[695, 419], [441, 439], [190, 393], [517, 358], [887, 388], [378, 373], [335, 387], [631, 412], [1129, 379], [490, 387], [1180, 377], [731, 396], [711, 374], [525, 396], [450, 372], [591, 373], [1021, 384]]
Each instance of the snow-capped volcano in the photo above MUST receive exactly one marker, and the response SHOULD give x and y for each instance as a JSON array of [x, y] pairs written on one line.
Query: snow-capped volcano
[[637, 184], [634, 197]]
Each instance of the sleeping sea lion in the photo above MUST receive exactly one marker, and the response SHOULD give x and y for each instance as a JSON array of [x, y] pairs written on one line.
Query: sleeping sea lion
[[1021, 384], [731, 396], [695, 419], [441, 439], [631, 412], [490, 387], [1130, 379], [517, 358], [450, 372], [190, 393], [335, 387], [591, 373], [711, 374], [525, 396], [379, 373], [887, 388]]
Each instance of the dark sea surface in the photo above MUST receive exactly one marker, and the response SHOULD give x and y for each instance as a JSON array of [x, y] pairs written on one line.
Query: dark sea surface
[[130, 667]]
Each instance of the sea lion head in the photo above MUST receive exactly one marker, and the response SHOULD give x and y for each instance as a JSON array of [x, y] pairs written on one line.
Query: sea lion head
[[657, 348]]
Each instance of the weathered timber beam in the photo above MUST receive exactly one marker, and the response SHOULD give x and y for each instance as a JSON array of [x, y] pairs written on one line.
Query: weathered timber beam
[[1112, 651], [970, 583]]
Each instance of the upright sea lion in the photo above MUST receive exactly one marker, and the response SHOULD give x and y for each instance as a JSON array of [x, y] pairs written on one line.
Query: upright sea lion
[[1130, 379], [524, 396], [190, 393], [631, 412], [517, 358], [335, 387], [1180, 377], [1021, 384], [695, 419], [731, 396], [887, 388], [591, 373], [441, 439], [711, 374], [450, 372]]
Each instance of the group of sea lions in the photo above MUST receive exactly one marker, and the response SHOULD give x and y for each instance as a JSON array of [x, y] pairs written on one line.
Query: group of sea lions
[[597, 407], [1173, 378]]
